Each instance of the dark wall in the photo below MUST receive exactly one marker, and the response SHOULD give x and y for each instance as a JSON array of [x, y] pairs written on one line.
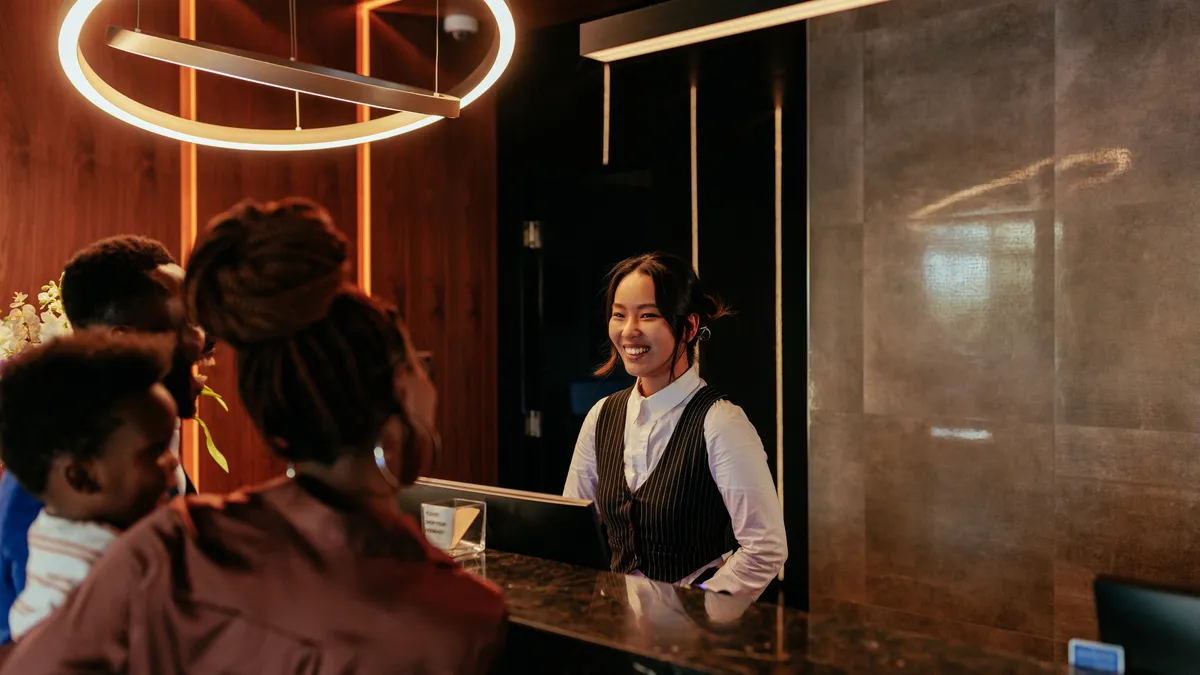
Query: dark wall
[[592, 215], [1004, 294]]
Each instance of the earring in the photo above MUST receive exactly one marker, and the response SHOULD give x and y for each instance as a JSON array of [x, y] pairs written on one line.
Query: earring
[[705, 333], [291, 470], [381, 462]]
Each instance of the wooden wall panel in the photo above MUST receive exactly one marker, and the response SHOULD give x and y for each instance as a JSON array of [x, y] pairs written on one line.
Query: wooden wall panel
[[433, 254], [326, 37], [69, 173], [433, 233]]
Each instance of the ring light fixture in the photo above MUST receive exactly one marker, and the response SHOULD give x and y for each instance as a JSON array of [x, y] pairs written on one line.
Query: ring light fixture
[[305, 78], [270, 71]]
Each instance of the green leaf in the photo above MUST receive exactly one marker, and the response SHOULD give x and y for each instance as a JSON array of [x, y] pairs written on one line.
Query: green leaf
[[207, 391], [212, 447]]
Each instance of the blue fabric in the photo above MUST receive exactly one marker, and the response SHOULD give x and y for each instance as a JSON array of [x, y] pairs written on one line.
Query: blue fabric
[[18, 509]]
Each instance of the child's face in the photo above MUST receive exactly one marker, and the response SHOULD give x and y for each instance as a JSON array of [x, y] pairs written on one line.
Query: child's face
[[129, 477]]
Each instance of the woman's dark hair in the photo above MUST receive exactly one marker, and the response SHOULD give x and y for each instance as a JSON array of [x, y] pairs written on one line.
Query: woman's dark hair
[[678, 295], [315, 356]]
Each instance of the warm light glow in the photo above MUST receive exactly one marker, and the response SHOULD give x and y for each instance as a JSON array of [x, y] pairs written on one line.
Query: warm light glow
[[363, 62], [715, 31], [369, 6], [188, 215], [287, 74], [695, 193], [693, 95], [113, 102], [607, 109], [779, 303]]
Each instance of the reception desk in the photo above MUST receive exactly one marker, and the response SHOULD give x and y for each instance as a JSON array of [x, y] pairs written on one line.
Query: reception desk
[[568, 619]]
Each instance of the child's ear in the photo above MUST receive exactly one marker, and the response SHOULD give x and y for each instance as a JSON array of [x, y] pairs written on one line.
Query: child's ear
[[78, 475]]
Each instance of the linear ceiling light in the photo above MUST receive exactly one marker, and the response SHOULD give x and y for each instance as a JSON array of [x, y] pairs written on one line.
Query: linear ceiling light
[[124, 108], [684, 22], [305, 78]]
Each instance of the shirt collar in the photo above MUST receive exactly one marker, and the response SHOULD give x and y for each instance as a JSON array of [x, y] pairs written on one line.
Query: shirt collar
[[666, 400]]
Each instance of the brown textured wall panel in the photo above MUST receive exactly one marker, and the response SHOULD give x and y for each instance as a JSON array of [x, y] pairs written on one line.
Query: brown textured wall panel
[[69, 173], [433, 214], [434, 255], [72, 174], [326, 37]]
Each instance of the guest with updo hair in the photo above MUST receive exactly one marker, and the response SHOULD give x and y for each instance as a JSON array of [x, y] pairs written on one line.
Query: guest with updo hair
[[316, 573]]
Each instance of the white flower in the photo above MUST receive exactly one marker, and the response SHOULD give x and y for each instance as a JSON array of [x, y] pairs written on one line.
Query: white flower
[[9, 345], [24, 325], [53, 326], [32, 323]]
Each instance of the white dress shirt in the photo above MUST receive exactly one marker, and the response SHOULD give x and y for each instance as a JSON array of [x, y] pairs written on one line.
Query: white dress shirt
[[61, 554], [180, 476], [738, 465]]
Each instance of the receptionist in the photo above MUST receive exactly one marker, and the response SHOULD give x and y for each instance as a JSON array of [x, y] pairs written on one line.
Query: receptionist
[[677, 472]]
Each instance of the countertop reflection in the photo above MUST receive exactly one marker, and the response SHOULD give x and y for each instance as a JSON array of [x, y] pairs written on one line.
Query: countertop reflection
[[715, 633]]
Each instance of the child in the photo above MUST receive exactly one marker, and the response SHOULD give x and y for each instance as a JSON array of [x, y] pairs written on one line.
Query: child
[[85, 425]]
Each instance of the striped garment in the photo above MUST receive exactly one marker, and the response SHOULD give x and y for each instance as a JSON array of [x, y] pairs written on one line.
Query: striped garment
[[61, 553]]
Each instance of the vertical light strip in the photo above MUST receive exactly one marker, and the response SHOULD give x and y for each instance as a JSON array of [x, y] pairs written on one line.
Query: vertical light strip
[[607, 109], [188, 213], [363, 113], [695, 183], [779, 301], [692, 95]]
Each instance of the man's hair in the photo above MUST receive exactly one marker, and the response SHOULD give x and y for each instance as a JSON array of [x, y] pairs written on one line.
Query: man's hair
[[105, 280], [59, 398]]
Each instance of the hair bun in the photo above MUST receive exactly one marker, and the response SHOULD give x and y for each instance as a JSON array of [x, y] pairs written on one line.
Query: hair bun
[[713, 308], [263, 272]]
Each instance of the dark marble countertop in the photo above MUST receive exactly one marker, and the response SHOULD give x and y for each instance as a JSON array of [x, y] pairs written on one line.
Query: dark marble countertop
[[713, 633]]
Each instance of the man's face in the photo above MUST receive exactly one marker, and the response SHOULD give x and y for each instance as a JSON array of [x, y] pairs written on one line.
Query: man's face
[[166, 314]]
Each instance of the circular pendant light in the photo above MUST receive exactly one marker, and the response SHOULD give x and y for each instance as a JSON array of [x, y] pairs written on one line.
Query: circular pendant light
[[126, 109], [304, 78]]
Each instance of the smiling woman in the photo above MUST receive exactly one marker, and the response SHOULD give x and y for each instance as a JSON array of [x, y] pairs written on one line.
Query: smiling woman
[[678, 473], [657, 315]]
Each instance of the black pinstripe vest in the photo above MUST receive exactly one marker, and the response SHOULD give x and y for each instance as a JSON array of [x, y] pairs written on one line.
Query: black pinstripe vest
[[675, 522]]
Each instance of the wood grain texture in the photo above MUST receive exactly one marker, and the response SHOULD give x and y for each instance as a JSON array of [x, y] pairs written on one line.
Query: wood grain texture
[[326, 37], [433, 248], [434, 255], [69, 173], [434, 213]]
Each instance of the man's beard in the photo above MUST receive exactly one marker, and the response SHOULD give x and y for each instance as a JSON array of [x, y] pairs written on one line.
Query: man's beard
[[179, 384]]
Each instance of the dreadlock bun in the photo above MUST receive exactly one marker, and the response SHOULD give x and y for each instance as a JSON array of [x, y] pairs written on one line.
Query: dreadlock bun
[[316, 356], [263, 272]]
